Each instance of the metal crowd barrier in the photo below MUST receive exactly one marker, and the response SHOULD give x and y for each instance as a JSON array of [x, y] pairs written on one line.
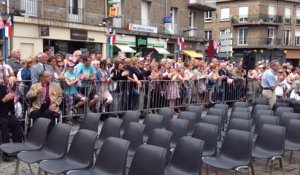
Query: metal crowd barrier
[[116, 97]]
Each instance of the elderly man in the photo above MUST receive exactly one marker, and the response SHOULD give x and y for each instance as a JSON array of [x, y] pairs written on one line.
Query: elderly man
[[14, 61], [269, 82], [39, 67], [46, 97]]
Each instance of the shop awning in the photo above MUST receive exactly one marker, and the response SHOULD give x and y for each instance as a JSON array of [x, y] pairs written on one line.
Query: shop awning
[[125, 48], [192, 53], [161, 50]]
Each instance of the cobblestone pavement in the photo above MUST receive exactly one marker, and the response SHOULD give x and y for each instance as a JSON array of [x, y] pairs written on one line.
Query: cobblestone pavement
[[7, 168]]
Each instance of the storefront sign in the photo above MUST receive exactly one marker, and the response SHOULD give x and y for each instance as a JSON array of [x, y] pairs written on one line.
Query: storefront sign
[[44, 30], [141, 28], [79, 34], [114, 1], [113, 11], [141, 41]]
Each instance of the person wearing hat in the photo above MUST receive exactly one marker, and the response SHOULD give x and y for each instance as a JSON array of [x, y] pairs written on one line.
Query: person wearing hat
[[71, 94]]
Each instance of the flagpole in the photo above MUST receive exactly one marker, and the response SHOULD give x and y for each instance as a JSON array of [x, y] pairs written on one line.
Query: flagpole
[[5, 49]]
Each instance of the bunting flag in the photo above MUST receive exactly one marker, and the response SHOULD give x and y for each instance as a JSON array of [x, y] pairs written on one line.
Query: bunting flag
[[111, 38], [9, 27], [2, 27]]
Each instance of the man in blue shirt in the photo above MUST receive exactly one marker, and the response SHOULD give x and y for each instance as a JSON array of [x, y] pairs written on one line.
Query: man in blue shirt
[[269, 82]]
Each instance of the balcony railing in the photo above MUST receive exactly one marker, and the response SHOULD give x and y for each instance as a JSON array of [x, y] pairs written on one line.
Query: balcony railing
[[256, 19], [258, 42], [203, 4], [75, 14], [30, 7]]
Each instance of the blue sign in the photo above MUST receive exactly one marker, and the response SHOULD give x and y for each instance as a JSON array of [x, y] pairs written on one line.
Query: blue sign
[[168, 19]]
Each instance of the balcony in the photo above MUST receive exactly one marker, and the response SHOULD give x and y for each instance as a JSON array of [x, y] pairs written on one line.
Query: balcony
[[30, 7], [75, 14], [258, 43], [257, 19], [202, 4]]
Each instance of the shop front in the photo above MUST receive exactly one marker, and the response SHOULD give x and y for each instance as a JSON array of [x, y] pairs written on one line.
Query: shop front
[[32, 35], [292, 57], [124, 45]]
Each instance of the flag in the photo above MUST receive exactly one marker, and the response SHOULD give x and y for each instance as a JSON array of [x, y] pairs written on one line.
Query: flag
[[178, 44], [2, 27], [217, 47], [182, 43], [113, 38], [9, 27]]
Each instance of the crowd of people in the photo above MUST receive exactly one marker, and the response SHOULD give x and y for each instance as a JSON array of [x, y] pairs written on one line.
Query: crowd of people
[[70, 84]]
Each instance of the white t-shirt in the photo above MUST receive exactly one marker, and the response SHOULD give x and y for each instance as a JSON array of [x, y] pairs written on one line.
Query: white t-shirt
[[279, 89]]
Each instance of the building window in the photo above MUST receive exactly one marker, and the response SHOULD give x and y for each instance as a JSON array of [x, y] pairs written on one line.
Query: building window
[[225, 14], [271, 36], [174, 16], [287, 37], [271, 13], [192, 23], [208, 35], [224, 31], [76, 10], [297, 38], [145, 13], [243, 13], [242, 36], [207, 16], [298, 16], [287, 15]]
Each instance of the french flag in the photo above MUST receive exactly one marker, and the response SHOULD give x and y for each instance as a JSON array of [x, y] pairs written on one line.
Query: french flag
[[9, 27], [2, 27], [111, 39]]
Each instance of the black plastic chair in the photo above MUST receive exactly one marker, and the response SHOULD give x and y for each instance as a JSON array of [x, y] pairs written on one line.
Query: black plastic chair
[[234, 154], [240, 104], [167, 114], [134, 134], [35, 140], [214, 120], [55, 147], [241, 115], [286, 117], [179, 128], [110, 128], [129, 116], [280, 104], [218, 112], [191, 118], [270, 144], [261, 101], [151, 122], [79, 156], [280, 110], [148, 160], [186, 158], [265, 119], [239, 124], [111, 159], [161, 138], [222, 106], [240, 109], [89, 122], [209, 134], [260, 112], [195, 109], [292, 137], [260, 107]]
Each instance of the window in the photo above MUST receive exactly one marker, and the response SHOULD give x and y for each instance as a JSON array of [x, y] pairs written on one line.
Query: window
[[287, 15], [287, 37], [298, 15], [224, 31], [297, 38], [242, 36], [174, 15], [225, 14], [208, 35], [207, 16], [192, 23], [76, 10], [243, 13], [145, 13], [272, 12], [271, 36]]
